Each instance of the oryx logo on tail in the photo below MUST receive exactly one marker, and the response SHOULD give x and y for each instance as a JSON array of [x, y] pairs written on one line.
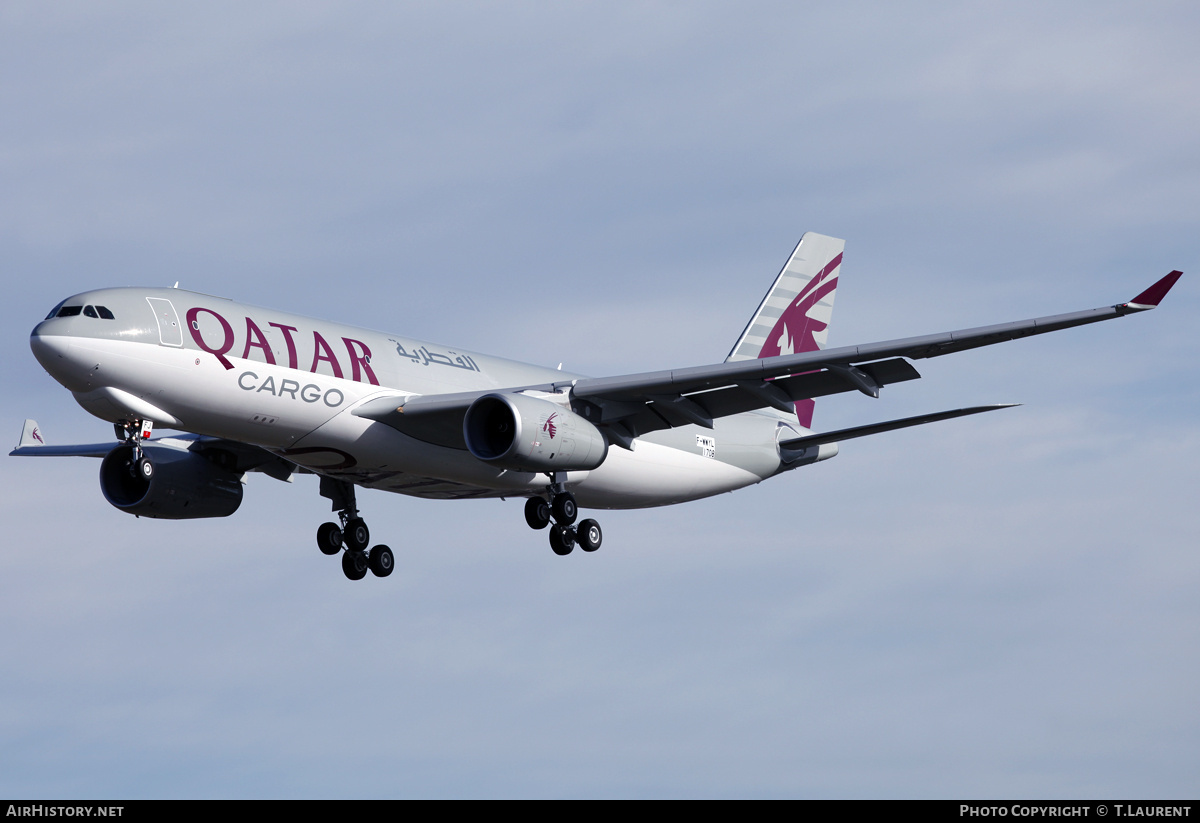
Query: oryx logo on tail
[[794, 316], [797, 329]]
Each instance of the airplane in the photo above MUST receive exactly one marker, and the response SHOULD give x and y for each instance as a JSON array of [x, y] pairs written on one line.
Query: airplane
[[251, 389]]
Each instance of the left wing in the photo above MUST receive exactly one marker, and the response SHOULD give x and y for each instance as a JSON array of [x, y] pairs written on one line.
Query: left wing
[[629, 406], [34, 445], [230, 454]]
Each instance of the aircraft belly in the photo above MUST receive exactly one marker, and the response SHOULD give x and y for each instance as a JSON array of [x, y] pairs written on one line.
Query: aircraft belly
[[378, 456], [374, 455], [657, 475], [747, 441]]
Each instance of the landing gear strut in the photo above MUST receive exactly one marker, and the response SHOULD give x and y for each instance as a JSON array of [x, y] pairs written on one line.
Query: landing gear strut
[[352, 534], [563, 509], [132, 432]]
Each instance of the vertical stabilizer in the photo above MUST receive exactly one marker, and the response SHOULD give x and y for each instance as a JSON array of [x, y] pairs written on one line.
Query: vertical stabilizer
[[795, 314]]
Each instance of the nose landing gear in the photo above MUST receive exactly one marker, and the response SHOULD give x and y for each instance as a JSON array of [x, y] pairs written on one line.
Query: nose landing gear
[[133, 432]]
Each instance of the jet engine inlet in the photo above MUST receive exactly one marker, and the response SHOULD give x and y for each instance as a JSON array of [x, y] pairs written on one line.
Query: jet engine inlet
[[525, 433], [168, 483]]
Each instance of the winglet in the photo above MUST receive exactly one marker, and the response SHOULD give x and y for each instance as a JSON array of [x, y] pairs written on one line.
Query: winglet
[[1152, 296], [31, 435]]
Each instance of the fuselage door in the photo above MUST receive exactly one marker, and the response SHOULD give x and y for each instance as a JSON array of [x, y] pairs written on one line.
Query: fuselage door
[[170, 333]]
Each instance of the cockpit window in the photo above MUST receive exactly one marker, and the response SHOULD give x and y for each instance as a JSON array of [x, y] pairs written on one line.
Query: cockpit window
[[88, 311]]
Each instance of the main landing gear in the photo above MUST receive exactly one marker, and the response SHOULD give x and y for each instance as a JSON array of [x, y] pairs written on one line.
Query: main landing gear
[[561, 507], [352, 534]]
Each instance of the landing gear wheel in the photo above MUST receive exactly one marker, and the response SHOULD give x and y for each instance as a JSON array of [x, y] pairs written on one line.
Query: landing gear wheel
[[589, 535], [355, 564], [381, 560], [357, 536], [145, 469], [537, 513], [329, 538], [564, 508], [562, 539]]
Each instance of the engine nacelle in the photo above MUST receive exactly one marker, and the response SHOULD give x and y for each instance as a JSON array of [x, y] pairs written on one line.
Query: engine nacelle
[[182, 485], [525, 433]]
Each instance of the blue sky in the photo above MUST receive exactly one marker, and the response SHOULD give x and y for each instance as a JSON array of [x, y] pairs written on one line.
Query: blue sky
[[998, 606]]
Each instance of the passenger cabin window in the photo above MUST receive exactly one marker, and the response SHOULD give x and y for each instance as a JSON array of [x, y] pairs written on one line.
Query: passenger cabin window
[[69, 311]]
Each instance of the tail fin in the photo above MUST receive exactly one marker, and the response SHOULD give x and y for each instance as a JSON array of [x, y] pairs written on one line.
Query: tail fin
[[795, 315]]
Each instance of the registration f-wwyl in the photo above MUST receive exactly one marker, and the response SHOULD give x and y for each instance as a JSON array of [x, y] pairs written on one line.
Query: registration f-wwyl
[[253, 389]]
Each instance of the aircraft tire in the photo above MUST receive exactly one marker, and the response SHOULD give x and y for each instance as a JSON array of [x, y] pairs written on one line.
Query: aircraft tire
[[564, 508], [562, 540], [537, 513], [145, 469], [589, 535], [357, 535], [329, 538], [381, 560], [355, 564]]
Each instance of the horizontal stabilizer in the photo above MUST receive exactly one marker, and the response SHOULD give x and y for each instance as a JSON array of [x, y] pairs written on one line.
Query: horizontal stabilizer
[[797, 443]]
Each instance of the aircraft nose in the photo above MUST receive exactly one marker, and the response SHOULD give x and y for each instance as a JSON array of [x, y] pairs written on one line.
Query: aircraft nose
[[53, 351], [47, 348]]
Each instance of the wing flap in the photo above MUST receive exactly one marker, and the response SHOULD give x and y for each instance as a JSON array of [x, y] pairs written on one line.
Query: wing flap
[[661, 412]]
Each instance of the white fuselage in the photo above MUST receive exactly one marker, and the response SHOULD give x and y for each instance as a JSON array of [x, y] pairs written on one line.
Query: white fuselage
[[289, 384]]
